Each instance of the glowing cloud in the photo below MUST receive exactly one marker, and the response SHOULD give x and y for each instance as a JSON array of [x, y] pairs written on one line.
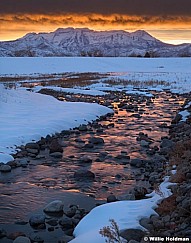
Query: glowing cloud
[[17, 17]]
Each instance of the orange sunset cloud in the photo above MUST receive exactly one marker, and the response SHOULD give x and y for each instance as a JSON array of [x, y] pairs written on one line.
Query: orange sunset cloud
[[169, 21]]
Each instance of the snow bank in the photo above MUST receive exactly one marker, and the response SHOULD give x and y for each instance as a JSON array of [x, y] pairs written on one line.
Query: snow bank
[[91, 92], [184, 115], [126, 214], [27, 116], [138, 92]]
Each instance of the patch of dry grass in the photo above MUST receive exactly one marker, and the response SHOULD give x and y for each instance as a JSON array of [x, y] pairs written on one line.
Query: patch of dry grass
[[180, 151], [167, 206], [137, 83]]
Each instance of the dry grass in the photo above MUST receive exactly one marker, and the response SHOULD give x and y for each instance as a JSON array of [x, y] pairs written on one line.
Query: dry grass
[[179, 151], [111, 233], [18, 78], [179, 177], [64, 80], [70, 76], [118, 81], [167, 206]]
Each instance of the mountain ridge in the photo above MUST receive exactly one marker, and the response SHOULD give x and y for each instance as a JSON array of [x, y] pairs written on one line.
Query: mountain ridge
[[85, 42]]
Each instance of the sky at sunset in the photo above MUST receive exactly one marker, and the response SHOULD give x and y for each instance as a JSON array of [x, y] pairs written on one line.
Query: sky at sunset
[[167, 20]]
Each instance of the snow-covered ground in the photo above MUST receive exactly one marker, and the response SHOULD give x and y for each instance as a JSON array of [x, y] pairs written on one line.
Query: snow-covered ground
[[22, 65], [176, 71], [27, 116], [92, 92], [125, 213]]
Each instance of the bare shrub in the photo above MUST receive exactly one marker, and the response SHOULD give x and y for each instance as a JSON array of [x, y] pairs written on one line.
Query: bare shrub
[[111, 233]]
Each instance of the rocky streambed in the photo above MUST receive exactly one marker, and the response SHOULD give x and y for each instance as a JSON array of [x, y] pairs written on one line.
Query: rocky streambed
[[119, 156]]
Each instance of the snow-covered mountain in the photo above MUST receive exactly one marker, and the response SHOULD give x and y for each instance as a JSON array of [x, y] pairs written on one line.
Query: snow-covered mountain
[[86, 42]]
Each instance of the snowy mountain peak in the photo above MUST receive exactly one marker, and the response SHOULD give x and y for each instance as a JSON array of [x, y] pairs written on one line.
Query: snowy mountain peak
[[86, 42], [28, 35], [62, 30], [143, 35]]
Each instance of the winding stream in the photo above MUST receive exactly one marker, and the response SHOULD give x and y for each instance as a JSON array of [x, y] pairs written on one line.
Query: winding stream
[[27, 190]]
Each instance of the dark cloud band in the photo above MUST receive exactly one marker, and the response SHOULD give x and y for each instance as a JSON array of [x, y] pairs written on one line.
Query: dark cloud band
[[93, 20], [107, 7]]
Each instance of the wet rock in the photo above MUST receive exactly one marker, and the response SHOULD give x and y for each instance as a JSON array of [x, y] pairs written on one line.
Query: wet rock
[[36, 220], [16, 234], [146, 223], [3, 233], [157, 222], [144, 143], [143, 136], [21, 154], [83, 128], [22, 239], [71, 212], [31, 155], [100, 130], [158, 159], [68, 231], [136, 162], [56, 155], [75, 221], [65, 239], [122, 156], [177, 118], [54, 207], [79, 140], [188, 175], [96, 140], [118, 176], [150, 151], [13, 164], [89, 145], [85, 159], [132, 234], [5, 168], [111, 198], [163, 125], [154, 177], [23, 162], [166, 143], [84, 175], [32, 146], [34, 237], [77, 216], [50, 229], [186, 204], [136, 115], [32, 151], [140, 192], [133, 241], [55, 146], [66, 222], [52, 222]]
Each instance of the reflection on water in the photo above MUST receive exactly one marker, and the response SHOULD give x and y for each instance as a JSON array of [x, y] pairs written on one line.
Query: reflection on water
[[28, 189], [22, 199]]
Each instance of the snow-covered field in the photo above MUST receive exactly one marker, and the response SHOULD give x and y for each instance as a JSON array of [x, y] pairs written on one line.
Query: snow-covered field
[[176, 71], [22, 65]]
